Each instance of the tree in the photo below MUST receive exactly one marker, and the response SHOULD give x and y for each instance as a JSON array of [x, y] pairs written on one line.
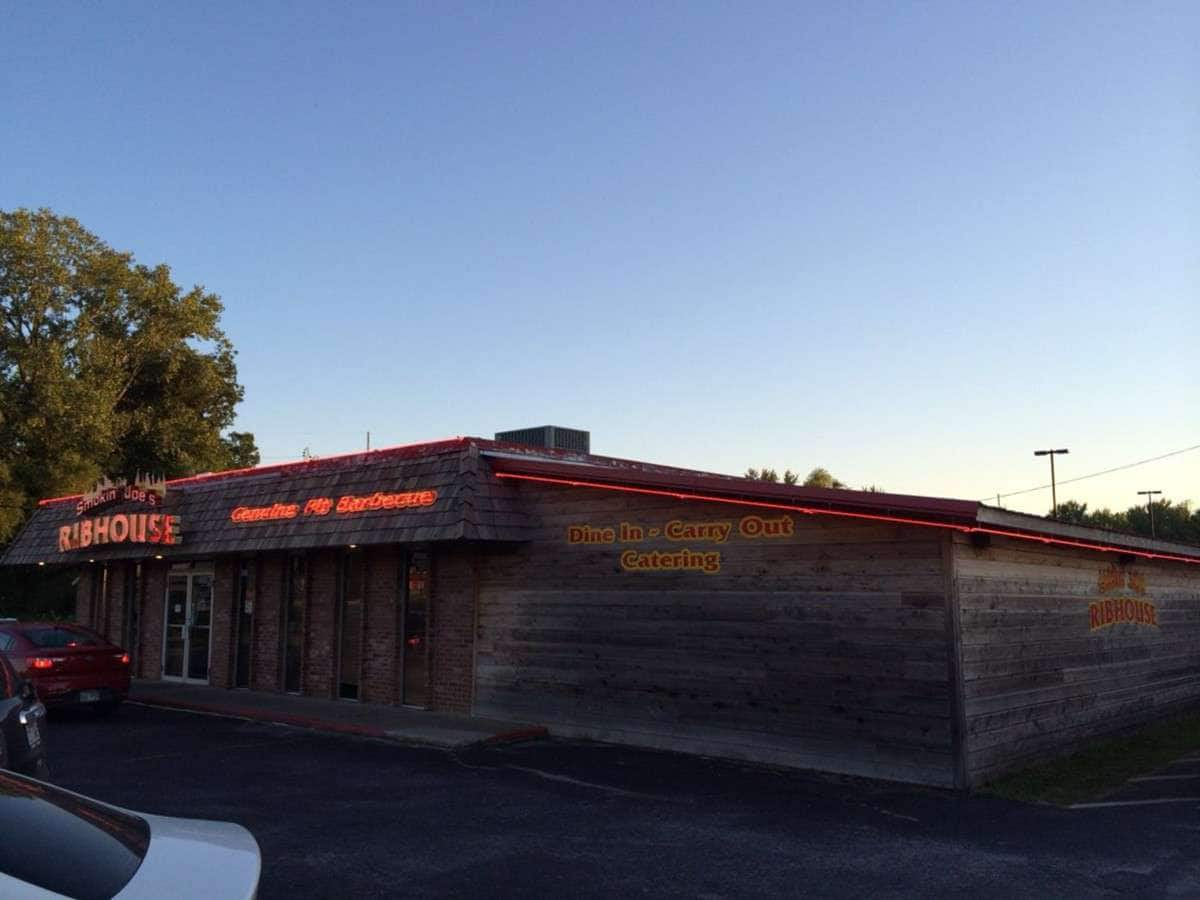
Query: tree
[[816, 478], [1073, 511], [106, 367], [1172, 521], [764, 474], [243, 454], [821, 478]]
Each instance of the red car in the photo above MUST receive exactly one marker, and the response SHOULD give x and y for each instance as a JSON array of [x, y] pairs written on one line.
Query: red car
[[68, 664]]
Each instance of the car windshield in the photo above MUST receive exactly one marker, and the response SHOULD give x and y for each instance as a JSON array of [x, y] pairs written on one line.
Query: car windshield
[[61, 636], [65, 843]]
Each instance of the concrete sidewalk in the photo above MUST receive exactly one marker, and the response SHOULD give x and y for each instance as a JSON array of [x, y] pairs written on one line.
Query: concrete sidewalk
[[396, 723]]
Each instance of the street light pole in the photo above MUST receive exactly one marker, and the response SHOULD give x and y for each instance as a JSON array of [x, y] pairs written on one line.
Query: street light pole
[[1149, 495], [1053, 489]]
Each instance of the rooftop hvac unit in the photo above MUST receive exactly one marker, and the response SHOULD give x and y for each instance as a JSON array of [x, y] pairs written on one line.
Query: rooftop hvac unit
[[549, 436]]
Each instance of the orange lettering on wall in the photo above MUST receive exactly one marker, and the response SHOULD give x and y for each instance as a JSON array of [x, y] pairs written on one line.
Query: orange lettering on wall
[[1105, 613]]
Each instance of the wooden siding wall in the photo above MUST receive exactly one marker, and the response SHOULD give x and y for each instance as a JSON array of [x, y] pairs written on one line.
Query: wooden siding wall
[[1038, 680], [827, 649]]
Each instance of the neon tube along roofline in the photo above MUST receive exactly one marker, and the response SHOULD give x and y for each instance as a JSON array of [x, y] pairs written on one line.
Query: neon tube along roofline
[[873, 517]]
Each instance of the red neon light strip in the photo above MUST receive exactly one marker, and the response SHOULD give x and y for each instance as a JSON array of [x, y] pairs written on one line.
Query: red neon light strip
[[815, 511], [267, 470]]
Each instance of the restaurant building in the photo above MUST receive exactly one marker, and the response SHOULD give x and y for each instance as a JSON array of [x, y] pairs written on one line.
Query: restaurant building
[[910, 638]]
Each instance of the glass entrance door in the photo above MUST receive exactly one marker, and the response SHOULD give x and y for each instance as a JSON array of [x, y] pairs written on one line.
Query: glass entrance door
[[187, 626], [199, 627], [175, 640]]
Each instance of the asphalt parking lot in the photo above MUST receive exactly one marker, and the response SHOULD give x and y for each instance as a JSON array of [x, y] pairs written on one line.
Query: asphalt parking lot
[[340, 816]]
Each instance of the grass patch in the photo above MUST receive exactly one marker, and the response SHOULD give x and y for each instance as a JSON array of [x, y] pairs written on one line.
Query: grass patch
[[1103, 766]]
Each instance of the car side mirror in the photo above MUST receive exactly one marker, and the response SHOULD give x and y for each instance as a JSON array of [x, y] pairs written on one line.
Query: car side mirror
[[28, 694]]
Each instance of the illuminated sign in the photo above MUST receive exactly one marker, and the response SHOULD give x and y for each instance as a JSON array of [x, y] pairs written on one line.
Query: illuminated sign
[[1107, 612], [143, 489], [120, 528], [752, 527], [323, 506]]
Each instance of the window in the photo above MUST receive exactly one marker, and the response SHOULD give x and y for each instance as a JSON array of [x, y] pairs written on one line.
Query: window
[[6, 642], [350, 624], [65, 843], [293, 623], [61, 636]]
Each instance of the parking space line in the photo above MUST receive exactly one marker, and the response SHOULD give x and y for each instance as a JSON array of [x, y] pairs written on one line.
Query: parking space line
[[1167, 777], [217, 749], [566, 779], [1135, 802]]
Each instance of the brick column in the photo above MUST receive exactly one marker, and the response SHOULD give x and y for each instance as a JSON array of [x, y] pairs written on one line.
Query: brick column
[[225, 579], [267, 611], [379, 682], [320, 626], [452, 630], [154, 574]]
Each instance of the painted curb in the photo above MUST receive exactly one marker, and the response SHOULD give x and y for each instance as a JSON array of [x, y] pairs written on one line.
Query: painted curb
[[393, 735]]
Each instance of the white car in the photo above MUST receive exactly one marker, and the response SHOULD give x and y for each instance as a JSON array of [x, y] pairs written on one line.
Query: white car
[[61, 844]]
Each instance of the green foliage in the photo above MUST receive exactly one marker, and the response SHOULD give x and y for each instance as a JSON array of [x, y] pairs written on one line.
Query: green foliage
[[106, 367], [241, 449], [818, 477], [764, 474], [1172, 521], [821, 478]]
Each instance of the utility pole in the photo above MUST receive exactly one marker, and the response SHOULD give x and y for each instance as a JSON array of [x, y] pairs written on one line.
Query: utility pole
[[368, 442], [1053, 489], [1149, 495]]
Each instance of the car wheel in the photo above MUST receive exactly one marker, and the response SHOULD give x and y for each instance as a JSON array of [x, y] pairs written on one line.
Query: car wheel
[[108, 708]]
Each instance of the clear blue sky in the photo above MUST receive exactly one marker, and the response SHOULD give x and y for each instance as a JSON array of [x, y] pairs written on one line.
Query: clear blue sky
[[910, 243]]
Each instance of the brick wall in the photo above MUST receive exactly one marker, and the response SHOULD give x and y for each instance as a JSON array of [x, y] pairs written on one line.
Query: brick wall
[[320, 626], [379, 683], [452, 630], [220, 662], [154, 573], [267, 620]]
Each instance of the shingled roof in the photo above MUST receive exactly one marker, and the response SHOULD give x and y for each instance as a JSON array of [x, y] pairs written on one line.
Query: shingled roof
[[470, 505], [479, 498]]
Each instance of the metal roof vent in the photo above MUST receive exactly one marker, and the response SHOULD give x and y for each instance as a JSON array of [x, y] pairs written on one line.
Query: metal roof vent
[[549, 436]]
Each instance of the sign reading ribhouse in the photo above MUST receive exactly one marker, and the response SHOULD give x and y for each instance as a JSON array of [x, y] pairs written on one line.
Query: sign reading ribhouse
[[121, 528], [1122, 609]]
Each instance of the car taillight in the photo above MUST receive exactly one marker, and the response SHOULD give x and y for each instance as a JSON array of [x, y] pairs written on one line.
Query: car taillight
[[40, 662], [122, 658]]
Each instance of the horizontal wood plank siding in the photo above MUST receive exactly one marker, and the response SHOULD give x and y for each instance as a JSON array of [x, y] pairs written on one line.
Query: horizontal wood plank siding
[[1038, 680], [824, 649]]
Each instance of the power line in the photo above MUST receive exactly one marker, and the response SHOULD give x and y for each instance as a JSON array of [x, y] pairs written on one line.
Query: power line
[[1140, 462]]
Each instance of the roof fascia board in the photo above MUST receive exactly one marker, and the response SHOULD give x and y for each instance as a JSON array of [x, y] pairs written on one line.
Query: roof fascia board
[[989, 515]]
